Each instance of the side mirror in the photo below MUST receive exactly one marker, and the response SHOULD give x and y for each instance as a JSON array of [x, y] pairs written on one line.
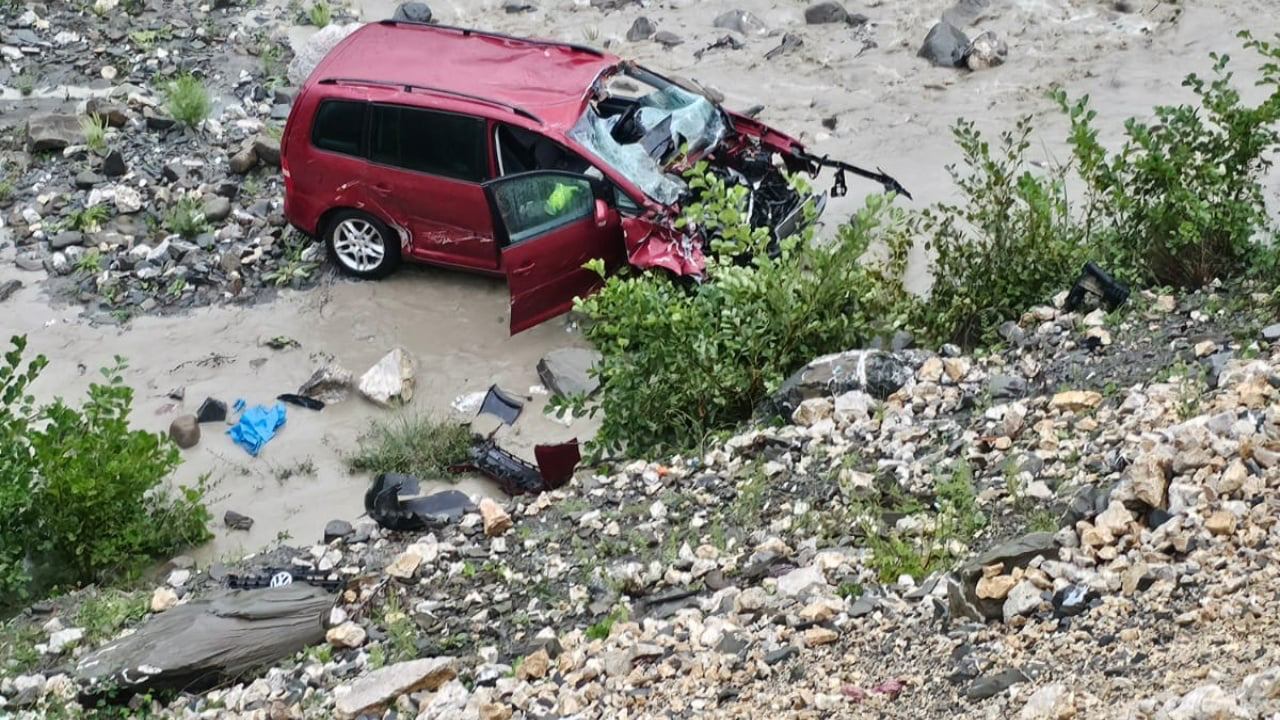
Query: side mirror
[[602, 213]]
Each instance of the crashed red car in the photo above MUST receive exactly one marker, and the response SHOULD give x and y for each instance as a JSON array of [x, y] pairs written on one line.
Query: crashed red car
[[516, 157]]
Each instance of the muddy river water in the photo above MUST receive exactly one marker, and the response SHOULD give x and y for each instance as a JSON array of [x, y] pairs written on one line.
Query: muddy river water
[[892, 111]]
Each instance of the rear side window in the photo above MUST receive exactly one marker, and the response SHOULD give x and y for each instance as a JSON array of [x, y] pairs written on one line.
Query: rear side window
[[339, 126], [428, 141]]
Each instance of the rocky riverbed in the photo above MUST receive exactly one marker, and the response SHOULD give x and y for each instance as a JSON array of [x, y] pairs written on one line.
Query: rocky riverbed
[[1079, 524]]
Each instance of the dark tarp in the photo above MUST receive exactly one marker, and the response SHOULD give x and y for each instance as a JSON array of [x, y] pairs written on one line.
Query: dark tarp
[[221, 636]]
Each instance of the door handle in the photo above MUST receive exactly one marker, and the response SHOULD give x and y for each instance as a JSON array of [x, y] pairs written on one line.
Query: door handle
[[524, 269], [382, 189]]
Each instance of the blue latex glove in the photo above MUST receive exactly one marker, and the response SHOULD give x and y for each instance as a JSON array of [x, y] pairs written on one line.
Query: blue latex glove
[[257, 425]]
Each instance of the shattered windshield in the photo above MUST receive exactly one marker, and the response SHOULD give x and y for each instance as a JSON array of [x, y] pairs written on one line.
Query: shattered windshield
[[637, 121]]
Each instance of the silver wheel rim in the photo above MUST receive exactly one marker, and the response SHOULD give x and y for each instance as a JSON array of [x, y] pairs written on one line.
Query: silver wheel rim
[[358, 244]]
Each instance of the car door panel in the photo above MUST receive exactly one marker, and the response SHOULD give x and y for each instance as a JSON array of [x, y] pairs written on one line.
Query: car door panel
[[550, 225]]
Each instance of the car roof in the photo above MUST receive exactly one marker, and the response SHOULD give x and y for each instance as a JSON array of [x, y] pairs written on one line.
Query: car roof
[[547, 81]]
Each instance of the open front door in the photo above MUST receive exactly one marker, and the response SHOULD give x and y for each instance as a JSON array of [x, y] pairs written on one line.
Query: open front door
[[549, 224]]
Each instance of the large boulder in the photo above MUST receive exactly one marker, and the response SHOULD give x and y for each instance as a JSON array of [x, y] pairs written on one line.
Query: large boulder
[[390, 381], [413, 12], [53, 131], [565, 371], [945, 46], [875, 372], [964, 600]]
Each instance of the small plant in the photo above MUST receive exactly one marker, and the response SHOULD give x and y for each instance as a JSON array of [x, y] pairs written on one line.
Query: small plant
[[95, 132], [412, 444], [6, 190], [291, 266], [591, 33], [89, 262], [600, 630], [187, 100], [88, 219], [26, 83], [104, 613], [321, 15], [176, 287], [400, 629], [303, 468], [186, 218]]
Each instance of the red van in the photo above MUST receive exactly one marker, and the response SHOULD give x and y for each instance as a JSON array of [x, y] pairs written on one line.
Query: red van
[[515, 157]]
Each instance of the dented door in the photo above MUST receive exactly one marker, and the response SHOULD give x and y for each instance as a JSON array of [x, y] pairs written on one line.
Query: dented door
[[549, 224]]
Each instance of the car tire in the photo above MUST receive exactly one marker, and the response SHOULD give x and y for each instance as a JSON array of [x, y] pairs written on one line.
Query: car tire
[[361, 245]]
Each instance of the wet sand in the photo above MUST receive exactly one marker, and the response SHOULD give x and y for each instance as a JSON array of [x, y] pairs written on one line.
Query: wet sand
[[892, 110]]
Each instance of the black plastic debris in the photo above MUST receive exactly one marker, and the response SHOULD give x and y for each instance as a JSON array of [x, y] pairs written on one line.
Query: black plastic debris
[[501, 405], [726, 42], [790, 41], [1095, 281], [517, 477], [301, 401], [1073, 600], [279, 577], [391, 502], [211, 410]]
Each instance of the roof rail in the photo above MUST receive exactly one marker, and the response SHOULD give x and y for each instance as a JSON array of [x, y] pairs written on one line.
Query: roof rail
[[408, 87], [487, 33]]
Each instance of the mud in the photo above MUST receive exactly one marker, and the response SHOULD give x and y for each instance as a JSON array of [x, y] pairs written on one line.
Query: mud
[[892, 110]]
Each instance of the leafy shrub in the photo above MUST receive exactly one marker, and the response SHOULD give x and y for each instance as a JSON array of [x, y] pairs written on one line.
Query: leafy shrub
[[88, 218], [187, 100], [678, 362], [95, 132], [413, 444], [186, 218], [321, 14], [1180, 202], [1010, 244], [82, 497]]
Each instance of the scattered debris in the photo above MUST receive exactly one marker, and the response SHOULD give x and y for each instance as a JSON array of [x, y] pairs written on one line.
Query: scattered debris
[[256, 426], [390, 381], [726, 42], [496, 520], [391, 502], [212, 410], [1095, 281], [790, 41], [301, 401], [279, 577], [501, 405], [516, 477], [281, 342], [207, 640]]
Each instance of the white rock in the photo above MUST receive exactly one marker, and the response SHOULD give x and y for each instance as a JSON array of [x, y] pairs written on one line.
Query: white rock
[[1022, 600], [127, 200], [801, 579], [178, 578], [1208, 702], [64, 639], [1048, 703], [163, 599], [346, 635], [385, 684], [390, 381]]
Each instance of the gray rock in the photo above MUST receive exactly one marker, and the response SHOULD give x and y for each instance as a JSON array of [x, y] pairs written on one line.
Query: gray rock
[[642, 29], [994, 684], [732, 644], [267, 149], [1004, 387], [53, 131], [113, 165], [565, 372], [826, 12], [87, 179], [667, 39], [740, 21], [781, 654], [113, 113], [944, 46], [1271, 333], [242, 161], [1023, 599], [30, 262], [185, 431], [797, 581], [377, 688], [216, 209], [337, 529], [413, 12], [878, 373], [66, 239], [236, 521]]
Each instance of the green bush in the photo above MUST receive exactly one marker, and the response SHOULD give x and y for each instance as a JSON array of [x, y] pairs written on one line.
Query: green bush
[[186, 218], [82, 496], [411, 444], [187, 100], [678, 362], [1011, 244], [1180, 202]]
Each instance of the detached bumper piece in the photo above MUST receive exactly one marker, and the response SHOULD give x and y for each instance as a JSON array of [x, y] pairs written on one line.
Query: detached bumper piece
[[391, 502], [840, 187], [517, 477]]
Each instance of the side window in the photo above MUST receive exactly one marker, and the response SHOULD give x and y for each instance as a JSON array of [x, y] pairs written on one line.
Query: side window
[[534, 204], [428, 141], [338, 126]]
